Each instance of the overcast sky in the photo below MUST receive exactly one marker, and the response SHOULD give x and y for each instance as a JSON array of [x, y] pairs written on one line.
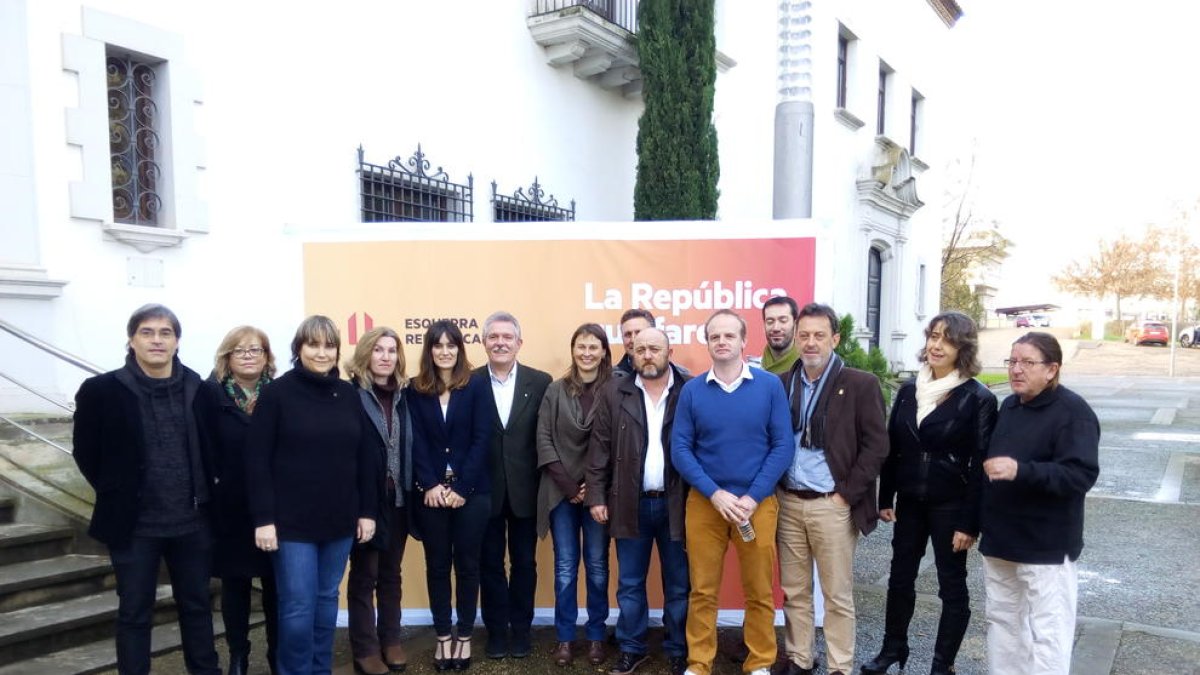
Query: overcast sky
[[1085, 115]]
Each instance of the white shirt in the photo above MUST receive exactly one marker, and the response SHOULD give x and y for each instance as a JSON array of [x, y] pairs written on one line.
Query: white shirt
[[654, 467], [737, 381], [503, 392]]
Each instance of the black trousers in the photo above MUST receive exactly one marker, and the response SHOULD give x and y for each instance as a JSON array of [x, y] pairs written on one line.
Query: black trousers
[[507, 599], [452, 538], [189, 564], [918, 522], [235, 612]]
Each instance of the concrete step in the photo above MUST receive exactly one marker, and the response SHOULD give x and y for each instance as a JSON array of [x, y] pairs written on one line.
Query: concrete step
[[39, 630], [50, 580], [8, 507], [101, 655], [20, 542]]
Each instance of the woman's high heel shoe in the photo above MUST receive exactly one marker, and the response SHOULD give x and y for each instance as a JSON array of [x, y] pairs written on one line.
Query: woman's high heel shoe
[[441, 657], [462, 653], [889, 654]]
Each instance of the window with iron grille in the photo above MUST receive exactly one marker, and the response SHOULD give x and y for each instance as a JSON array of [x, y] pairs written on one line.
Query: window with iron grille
[[405, 190], [532, 207], [134, 144]]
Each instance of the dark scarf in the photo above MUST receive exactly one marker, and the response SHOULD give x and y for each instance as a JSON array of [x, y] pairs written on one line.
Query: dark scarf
[[245, 403], [815, 433]]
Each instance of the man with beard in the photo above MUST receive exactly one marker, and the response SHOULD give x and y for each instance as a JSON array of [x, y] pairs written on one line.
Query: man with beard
[[779, 323], [633, 487], [515, 395], [827, 496], [139, 441]]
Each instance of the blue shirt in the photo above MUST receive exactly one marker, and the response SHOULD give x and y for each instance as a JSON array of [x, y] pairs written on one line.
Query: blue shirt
[[809, 470]]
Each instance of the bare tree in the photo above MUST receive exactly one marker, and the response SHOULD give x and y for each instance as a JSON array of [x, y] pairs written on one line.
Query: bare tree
[[970, 243]]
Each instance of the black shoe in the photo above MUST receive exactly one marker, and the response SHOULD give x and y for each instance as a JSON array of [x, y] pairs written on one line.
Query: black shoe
[[794, 669], [676, 665], [889, 654], [628, 662], [520, 646], [497, 645], [462, 646], [441, 655], [239, 664], [939, 668]]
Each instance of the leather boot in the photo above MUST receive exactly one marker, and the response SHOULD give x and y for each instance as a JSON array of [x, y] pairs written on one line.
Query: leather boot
[[893, 651], [952, 626]]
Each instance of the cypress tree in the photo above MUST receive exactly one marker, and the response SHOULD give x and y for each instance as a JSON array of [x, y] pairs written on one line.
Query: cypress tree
[[677, 168]]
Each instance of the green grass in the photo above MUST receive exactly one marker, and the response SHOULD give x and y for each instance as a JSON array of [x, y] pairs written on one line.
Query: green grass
[[992, 378]]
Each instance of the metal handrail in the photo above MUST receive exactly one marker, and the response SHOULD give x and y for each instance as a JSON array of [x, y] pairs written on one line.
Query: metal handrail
[[50, 349], [35, 434], [65, 406]]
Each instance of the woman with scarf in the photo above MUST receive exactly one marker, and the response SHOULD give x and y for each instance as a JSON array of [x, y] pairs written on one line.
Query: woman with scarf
[[931, 486], [374, 588], [564, 426], [313, 465], [243, 364]]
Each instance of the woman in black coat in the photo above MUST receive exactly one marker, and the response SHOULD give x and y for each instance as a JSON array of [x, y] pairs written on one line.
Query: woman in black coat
[[451, 432], [930, 486], [243, 365], [373, 590]]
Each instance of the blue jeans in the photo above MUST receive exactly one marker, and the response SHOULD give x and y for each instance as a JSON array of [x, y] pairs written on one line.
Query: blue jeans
[[189, 563], [568, 522], [633, 563], [307, 575]]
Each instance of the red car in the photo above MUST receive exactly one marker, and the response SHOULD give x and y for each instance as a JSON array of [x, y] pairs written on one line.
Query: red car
[[1150, 332]]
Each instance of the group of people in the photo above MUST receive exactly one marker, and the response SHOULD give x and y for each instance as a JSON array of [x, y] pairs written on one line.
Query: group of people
[[247, 476]]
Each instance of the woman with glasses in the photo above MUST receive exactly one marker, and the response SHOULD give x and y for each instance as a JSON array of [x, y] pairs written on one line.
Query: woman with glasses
[[1043, 459], [373, 590], [564, 427], [451, 432], [243, 365], [930, 486], [312, 464]]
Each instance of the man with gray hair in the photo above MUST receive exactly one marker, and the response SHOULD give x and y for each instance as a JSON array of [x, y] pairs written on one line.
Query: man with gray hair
[[139, 441], [515, 393]]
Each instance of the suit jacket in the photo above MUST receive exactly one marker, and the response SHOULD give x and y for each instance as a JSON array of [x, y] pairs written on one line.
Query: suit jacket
[[856, 441], [460, 439], [616, 458], [513, 453]]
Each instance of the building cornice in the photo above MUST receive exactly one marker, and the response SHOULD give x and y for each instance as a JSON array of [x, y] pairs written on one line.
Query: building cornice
[[948, 11]]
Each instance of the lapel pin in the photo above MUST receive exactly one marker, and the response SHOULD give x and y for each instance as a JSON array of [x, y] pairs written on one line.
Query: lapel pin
[[841, 391]]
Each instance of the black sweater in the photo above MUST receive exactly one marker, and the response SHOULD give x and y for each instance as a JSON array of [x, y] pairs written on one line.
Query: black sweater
[[1037, 518], [310, 461]]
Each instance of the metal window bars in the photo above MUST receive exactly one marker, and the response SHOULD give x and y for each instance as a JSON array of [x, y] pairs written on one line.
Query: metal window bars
[[623, 13], [133, 141], [405, 190], [532, 207]]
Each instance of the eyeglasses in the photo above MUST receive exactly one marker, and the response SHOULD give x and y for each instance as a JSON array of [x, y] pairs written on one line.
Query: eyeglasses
[[253, 352], [1025, 364]]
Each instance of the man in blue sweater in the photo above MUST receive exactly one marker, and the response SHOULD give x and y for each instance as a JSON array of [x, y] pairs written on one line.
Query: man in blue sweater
[[731, 443]]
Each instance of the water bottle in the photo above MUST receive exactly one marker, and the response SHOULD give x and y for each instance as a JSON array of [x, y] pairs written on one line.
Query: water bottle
[[746, 530]]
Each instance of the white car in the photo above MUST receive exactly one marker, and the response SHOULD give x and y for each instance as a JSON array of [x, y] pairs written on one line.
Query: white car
[[1188, 337]]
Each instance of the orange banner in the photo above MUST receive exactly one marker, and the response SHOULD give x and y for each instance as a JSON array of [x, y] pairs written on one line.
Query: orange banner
[[552, 286]]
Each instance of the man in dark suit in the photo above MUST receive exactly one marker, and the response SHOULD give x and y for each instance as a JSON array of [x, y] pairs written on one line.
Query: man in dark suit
[[827, 496], [516, 394]]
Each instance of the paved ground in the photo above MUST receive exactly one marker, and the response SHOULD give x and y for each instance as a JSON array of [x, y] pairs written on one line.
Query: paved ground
[[1139, 606]]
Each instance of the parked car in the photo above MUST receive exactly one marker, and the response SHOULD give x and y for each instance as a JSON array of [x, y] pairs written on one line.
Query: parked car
[[1189, 337], [1148, 332], [1033, 321]]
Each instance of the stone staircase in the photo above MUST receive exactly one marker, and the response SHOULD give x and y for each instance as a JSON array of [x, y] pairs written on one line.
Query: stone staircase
[[57, 600]]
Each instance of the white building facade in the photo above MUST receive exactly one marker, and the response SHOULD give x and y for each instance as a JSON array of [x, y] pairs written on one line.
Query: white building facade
[[253, 116]]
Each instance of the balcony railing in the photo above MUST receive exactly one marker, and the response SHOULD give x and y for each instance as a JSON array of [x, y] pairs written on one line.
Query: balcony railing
[[620, 12]]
